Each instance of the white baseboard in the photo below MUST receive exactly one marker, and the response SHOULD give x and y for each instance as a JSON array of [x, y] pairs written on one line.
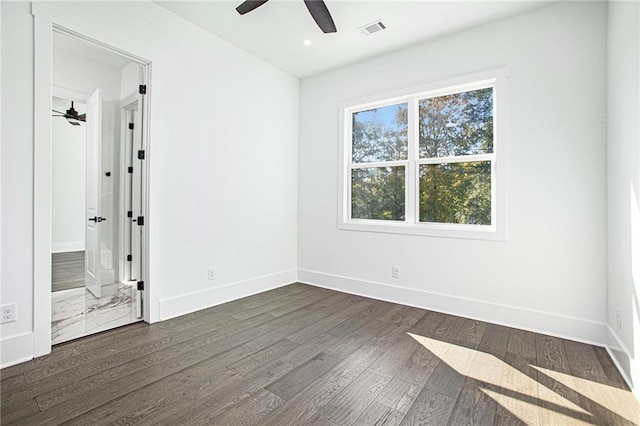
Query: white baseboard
[[621, 356], [66, 247], [16, 349], [566, 327], [185, 304]]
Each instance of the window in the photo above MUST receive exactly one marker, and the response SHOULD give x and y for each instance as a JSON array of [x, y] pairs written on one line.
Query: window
[[426, 163]]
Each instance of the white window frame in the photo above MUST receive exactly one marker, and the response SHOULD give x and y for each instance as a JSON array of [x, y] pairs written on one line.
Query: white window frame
[[496, 79]]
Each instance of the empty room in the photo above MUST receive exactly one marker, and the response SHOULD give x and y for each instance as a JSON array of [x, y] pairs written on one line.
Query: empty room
[[320, 212]]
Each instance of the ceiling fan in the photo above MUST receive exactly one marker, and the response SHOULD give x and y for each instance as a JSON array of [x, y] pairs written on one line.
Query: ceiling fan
[[317, 9], [71, 115]]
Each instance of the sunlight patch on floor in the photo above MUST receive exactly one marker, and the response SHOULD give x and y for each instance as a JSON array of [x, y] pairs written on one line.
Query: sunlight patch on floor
[[620, 401], [516, 388]]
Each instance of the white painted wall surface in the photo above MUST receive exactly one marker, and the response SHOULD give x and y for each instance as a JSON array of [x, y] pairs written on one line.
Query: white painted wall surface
[[17, 178], [74, 72], [223, 160], [129, 80], [67, 180], [550, 274], [623, 173]]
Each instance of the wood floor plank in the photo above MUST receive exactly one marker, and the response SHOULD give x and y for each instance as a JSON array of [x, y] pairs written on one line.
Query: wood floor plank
[[495, 341], [609, 368], [221, 399], [307, 403], [304, 355], [96, 395], [169, 393], [430, 408], [17, 412], [584, 362], [299, 378], [403, 314], [558, 402], [474, 406], [377, 414], [397, 356], [363, 317], [254, 361], [251, 411], [349, 404], [273, 305], [407, 384], [330, 321], [88, 375], [470, 334]]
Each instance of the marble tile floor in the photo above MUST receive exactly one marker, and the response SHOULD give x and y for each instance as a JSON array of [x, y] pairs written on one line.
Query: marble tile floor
[[77, 313]]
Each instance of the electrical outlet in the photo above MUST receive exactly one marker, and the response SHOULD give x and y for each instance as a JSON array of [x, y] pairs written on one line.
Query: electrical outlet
[[212, 274], [618, 318], [395, 271], [8, 313]]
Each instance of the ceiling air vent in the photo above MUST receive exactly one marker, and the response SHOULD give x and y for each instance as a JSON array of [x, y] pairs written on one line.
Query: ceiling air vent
[[371, 28]]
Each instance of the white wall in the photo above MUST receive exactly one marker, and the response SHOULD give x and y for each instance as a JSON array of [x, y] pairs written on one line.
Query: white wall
[[129, 80], [74, 72], [223, 163], [67, 180], [623, 173], [550, 274], [17, 177]]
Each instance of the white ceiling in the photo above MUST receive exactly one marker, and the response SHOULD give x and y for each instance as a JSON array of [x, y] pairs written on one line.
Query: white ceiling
[[274, 32]]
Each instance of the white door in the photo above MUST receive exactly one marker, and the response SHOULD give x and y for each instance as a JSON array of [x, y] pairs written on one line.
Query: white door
[[92, 231]]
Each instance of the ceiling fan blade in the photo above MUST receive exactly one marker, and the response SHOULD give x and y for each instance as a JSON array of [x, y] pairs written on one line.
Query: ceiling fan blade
[[82, 117], [321, 15], [59, 115], [248, 5], [59, 112]]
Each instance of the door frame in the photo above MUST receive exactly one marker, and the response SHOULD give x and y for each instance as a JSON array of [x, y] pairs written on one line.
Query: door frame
[[46, 21]]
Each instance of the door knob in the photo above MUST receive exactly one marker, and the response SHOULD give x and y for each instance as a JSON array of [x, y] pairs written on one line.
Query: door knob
[[97, 219]]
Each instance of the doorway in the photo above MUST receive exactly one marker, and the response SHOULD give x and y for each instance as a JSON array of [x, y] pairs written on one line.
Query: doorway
[[97, 188]]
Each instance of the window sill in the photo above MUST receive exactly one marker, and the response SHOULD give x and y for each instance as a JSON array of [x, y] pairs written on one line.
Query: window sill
[[469, 232]]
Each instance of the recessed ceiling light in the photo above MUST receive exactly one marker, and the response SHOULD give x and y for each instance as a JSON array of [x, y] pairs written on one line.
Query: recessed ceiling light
[[306, 42]]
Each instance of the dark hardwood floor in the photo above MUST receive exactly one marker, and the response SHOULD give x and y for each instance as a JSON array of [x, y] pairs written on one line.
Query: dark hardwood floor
[[305, 355], [67, 270]]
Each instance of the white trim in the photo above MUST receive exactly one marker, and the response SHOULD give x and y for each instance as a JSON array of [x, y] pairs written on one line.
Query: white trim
[[192, 302], [16, 349], [621, 357], [497, 80], [67, 247], [43, 47], [566, 327]]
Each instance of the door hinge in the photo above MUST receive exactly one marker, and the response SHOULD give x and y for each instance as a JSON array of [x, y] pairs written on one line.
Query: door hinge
[[130, 169], [140, 220], [130, 126], [141, 154], [143, 89], [129, 258], [129, 213], [141, 285]]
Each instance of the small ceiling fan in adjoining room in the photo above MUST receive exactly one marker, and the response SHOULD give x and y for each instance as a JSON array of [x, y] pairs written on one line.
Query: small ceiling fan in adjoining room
[[317, 9], [71, 115]]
